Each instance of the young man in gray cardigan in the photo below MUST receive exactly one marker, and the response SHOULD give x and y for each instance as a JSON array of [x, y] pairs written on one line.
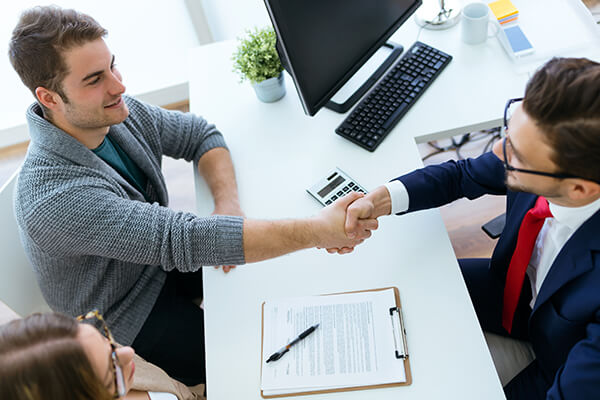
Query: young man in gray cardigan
[[91, 200]]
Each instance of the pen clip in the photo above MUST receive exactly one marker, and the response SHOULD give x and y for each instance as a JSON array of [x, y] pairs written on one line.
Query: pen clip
[[399, 333]]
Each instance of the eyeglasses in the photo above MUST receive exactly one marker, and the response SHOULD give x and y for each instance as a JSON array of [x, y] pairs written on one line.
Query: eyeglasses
[[119, 378], [507, 114]]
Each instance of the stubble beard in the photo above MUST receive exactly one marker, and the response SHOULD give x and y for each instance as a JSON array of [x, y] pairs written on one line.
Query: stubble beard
[[513, 187], [91, 120]]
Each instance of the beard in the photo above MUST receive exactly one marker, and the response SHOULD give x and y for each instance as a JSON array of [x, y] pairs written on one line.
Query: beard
[[90, 119], [548, 193]]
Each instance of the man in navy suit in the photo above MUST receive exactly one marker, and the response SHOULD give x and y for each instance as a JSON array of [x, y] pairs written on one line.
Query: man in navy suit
[[551, 152]]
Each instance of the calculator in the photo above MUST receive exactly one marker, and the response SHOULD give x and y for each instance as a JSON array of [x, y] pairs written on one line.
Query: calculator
[[335, 185]]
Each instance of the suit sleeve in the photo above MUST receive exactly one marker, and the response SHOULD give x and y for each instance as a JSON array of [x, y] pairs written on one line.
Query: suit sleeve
[[436, 185], [579, 376]]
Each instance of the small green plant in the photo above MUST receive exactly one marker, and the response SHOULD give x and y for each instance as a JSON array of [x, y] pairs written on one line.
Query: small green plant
[[256, 58]]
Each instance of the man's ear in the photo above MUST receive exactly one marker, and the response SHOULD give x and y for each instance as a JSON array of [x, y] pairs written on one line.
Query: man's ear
[[581, 189], [51, 100]]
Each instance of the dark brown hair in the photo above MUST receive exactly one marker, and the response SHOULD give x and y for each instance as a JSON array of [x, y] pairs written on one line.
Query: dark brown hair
[[563, 98], [39, 39], [41, 358]]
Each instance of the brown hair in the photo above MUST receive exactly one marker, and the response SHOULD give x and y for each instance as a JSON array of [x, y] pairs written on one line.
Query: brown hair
[[40, 37], [41, 358], [563, 98]]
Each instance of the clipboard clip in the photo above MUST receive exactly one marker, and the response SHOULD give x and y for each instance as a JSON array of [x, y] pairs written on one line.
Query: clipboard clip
[[399, 333]]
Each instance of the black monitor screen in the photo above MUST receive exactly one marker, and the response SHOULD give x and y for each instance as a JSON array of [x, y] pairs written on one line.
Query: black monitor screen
[[322, 43]]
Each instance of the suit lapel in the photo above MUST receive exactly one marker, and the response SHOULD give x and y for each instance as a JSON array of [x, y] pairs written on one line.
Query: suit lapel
[[517, 206], [573, 260]]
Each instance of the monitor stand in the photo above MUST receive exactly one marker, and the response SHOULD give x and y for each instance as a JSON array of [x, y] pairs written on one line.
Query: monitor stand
[[396, 50]]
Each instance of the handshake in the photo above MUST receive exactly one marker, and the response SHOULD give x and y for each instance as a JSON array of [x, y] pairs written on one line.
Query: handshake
[[350, 220], [339, 228]]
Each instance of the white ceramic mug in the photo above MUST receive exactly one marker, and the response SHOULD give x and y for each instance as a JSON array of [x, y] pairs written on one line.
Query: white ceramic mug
[[475, 20]]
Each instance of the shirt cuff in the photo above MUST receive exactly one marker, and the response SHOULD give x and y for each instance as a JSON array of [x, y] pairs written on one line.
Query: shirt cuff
[[398, 195]]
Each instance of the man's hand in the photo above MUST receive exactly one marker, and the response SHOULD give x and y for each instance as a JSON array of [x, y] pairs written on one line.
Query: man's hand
[[372, 206], [330, 226], [366, 208]]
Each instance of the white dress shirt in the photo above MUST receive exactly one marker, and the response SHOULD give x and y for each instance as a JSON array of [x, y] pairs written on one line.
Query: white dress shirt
[[555, 232]]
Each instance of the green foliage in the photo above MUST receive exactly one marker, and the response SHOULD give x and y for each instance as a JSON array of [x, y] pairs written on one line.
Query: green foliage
[[256, 58]]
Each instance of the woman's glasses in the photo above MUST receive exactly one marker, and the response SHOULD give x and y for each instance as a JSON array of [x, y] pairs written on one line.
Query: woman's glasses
[[121, 389]]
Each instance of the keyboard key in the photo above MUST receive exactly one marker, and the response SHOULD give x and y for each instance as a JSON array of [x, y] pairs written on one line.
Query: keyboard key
[[396, 113]]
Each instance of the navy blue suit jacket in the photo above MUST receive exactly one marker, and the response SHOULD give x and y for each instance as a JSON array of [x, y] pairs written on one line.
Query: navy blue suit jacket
[[564, 325]]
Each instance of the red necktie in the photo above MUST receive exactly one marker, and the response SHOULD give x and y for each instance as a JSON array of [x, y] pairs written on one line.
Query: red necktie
[[528, 233]]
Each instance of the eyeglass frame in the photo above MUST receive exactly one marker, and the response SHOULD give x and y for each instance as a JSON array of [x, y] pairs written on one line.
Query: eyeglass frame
[[509, 167], [119, 378]]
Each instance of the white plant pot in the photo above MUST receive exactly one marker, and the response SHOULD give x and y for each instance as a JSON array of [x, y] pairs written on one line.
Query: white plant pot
[[270, 90]]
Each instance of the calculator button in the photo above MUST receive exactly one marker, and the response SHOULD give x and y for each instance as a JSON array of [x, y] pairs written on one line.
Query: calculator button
[[355, 188], [340, 193], [351, 184], [328, 202], [333, 198], [346, 189]]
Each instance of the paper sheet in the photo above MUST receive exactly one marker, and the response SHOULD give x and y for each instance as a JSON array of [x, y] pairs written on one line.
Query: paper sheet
[[353, 345]]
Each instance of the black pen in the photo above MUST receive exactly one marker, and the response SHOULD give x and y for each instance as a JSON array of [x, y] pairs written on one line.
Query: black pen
[[277, 355]]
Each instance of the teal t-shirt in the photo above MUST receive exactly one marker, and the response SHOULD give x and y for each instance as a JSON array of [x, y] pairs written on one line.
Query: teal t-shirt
[[114, 156]]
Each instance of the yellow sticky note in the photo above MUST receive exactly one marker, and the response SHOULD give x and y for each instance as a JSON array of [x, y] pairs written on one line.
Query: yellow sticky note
[[503, 8]]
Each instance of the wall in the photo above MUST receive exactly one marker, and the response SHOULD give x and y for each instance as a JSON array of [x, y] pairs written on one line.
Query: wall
[[228, 19], [150, 40]]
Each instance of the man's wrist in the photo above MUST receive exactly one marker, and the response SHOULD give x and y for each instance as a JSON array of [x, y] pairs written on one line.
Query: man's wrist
[[228, 206], [382, 202], [310, 230]]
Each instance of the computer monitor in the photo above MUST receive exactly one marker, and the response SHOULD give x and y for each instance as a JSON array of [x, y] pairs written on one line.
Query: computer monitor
[[322, 43]]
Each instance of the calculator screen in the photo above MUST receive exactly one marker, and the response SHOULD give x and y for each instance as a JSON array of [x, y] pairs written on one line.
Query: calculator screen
[[323, 192]]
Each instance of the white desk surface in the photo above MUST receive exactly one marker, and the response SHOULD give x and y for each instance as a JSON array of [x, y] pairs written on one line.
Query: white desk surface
[[278, 152]]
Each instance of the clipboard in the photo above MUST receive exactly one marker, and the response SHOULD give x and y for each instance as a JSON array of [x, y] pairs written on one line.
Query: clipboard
[[399, 339]]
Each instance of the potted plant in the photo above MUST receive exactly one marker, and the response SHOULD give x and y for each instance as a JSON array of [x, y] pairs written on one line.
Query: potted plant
[[257, 61]]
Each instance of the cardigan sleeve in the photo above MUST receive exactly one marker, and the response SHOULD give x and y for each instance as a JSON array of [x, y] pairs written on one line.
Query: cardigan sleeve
[[181, 135], [80, 212]]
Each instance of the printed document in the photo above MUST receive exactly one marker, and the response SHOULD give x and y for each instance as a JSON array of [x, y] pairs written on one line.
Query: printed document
[[353, 346]]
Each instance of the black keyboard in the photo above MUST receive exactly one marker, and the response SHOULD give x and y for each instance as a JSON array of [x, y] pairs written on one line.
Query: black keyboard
[[375, 116]]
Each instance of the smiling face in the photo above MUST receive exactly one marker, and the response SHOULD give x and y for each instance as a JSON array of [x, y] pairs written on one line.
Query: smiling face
[[98, 350], [92, 100]]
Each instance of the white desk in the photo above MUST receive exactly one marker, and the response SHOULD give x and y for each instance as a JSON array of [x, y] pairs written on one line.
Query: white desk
[[278, 152]]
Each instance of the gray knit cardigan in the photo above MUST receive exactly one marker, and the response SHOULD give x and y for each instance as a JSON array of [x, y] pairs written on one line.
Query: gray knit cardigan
[[93, 240]]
